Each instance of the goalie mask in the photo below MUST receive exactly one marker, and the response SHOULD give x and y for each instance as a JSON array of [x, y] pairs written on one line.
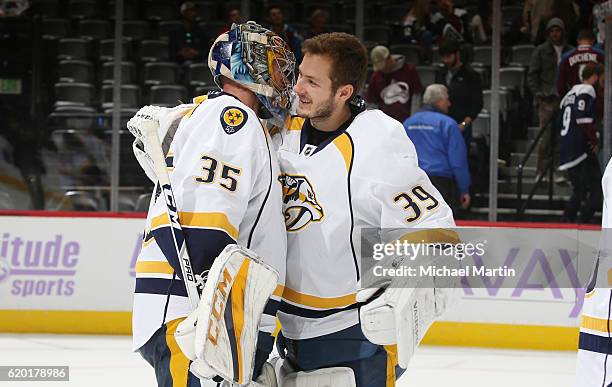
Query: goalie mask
[[259, 60]]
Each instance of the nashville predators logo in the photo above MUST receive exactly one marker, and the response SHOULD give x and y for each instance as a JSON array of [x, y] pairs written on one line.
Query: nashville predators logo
[[300, 202], [233, 119]]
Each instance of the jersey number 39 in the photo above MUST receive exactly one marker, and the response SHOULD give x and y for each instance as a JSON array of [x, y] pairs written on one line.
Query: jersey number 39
[[416, 202]]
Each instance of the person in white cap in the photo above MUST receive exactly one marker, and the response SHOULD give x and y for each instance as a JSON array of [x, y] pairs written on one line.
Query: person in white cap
[[393, 83]]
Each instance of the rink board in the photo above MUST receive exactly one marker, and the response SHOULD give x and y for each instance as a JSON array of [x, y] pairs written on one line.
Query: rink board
[[74, 273]]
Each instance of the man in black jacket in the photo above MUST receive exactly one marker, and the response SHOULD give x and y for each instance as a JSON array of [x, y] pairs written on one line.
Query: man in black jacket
[[464, 89]]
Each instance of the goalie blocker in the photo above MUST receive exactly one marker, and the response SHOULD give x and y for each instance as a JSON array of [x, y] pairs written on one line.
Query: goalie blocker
[[221, 334]]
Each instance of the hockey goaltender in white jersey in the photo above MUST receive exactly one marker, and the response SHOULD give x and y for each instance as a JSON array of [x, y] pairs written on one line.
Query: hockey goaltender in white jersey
[[227, 192], [594, 367]]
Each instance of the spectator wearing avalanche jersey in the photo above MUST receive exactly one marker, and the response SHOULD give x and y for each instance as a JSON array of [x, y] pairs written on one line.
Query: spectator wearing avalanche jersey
[[574, 61], [393, 83], [580, 145]]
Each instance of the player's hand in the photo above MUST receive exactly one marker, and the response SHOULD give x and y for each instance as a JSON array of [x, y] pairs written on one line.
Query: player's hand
[[594, 148], [465, 200]]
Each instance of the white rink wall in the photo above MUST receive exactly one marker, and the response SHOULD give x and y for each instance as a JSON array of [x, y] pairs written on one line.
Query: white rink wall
[[75, 274]]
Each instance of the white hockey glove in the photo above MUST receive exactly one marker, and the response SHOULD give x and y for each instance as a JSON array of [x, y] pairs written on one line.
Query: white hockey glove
[[402, 309], [221, 334], [165, 120]]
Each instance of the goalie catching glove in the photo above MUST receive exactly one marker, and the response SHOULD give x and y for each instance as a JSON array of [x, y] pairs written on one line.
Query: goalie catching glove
[[165, 120], [401, 310], [221, 334]]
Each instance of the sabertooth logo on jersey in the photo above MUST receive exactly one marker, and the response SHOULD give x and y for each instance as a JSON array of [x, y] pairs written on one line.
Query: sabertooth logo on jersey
[[300, 202]]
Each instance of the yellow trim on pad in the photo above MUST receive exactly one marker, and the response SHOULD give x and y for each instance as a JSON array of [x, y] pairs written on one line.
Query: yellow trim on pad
[[238, 289]]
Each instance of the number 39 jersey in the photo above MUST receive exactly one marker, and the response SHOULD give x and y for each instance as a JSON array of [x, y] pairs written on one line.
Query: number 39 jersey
[[577, 117], [366, 176], [224, 174]]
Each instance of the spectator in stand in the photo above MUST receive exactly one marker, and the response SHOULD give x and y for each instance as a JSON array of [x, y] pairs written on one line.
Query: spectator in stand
[[542, 81], [574, 61], [285, 31], [450, 23], [417, 26], [318, 23], [189, 42], [233, 17], [580, 145], [440, 147], [481, 23], [464, 89], [393, 84], [536, 13]]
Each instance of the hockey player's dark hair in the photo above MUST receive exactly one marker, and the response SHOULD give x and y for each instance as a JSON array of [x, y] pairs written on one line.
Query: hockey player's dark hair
[[591, 69], [348, 55], [586, 34]]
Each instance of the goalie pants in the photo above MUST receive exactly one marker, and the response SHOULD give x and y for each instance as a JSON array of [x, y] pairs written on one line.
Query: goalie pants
[[373, 365], [170, 364]]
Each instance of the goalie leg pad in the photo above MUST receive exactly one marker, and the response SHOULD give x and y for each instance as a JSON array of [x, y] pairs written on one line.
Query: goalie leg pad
[[324, 377], [237, 289]]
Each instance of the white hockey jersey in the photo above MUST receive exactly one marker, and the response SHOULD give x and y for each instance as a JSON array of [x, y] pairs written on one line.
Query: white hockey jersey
[[594, 346], [224, 174], [366, 176]]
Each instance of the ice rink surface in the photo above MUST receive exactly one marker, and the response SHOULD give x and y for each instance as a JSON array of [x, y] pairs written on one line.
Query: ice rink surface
[[103, 361]]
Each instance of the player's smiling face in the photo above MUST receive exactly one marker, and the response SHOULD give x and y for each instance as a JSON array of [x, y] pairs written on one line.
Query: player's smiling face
[[314, 87]]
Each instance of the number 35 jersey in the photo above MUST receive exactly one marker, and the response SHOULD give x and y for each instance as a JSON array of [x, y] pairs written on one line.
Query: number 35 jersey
[[364, 176], [224, 174]]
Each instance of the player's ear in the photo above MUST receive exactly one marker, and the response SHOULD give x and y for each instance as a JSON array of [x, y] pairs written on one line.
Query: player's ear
[[345, 92]]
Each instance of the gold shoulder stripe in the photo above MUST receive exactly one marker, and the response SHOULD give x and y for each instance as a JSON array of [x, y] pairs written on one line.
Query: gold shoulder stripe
[[295, 123], [217, 220], [344, 145], [197, 100], [200, 98], [318, 302], [436, 235], [154, 267]]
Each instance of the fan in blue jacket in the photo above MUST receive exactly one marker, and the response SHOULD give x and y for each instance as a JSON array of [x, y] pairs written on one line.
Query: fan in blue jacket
[[440, 147]]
